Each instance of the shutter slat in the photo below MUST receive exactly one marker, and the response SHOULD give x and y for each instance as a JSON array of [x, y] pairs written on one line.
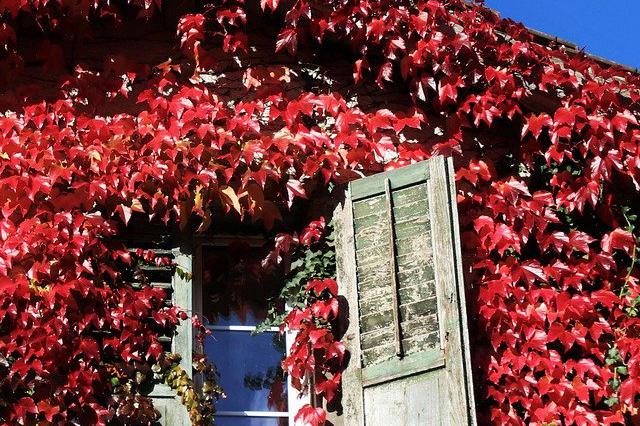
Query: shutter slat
[[397, 334], [164, 286], [393, 252]]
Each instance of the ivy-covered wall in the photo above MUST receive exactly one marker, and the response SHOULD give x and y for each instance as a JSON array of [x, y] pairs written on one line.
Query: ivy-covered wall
[[254, 110]]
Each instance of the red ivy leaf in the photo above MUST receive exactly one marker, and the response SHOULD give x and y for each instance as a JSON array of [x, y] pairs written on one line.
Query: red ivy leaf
[[272, 4], [619, 239], [318, 286], [310, 416], [535, 124], [287, 39], [328, 387], [124, 212], [629, 389], [323, 308]]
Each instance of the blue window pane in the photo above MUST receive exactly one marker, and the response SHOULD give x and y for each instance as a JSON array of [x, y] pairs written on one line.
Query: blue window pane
[[249, 368], [244, 316], [251, 421]]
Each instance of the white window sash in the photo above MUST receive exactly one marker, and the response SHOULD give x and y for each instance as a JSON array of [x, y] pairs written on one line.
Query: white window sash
[[273, 414], [295, 401], [248, 328]]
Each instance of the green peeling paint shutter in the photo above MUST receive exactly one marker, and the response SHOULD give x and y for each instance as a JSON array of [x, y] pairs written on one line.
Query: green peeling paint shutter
[[399, 269]]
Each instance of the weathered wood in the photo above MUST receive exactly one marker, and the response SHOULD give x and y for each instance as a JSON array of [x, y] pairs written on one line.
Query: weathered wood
[[183, 298], [165, 400], [416, 276], [172, 411], [423, 342], [374, 185], [411, 227], [369, 207], [404, 402], [395, 368], [375, 339], [418, 309], [414, 293], [465, 346], [373, 274], [376, 321], [397, 335], [418, 244], [410, 210], [197, 298], [456, 402], [414, 298], [415, 196], [378, 354], [374, 256], [373, 306], [352, 390], [421, 325]]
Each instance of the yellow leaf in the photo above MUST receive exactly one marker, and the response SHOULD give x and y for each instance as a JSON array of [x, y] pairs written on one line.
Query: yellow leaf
[[136, 206], [197, 199], [183, 144], [230, 197]]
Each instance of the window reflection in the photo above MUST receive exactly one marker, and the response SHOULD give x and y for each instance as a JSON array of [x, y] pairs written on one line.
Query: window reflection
[[251, 421], [236, 286], [249, 367], [236, 292]]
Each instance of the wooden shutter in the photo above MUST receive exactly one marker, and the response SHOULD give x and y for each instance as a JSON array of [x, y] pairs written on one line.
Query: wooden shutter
[[172, 411], [399, 269]]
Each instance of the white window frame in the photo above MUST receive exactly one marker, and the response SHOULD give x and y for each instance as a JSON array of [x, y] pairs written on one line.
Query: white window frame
[[294, 401]]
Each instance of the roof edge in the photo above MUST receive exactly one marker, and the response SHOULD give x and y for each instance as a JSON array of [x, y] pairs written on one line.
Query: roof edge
[[569, 45]]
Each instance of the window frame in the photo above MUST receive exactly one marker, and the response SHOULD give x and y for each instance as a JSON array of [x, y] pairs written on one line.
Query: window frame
[[294, 403]]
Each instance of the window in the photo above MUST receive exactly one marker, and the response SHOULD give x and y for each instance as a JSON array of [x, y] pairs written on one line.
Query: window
[[234, 295]]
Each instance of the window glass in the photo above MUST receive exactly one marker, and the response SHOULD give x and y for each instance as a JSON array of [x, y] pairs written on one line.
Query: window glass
[[235, 286], [249, 368], [251, 421], [236, 292]]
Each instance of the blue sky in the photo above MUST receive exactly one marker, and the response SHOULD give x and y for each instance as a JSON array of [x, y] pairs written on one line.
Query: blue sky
[[607, 28]]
